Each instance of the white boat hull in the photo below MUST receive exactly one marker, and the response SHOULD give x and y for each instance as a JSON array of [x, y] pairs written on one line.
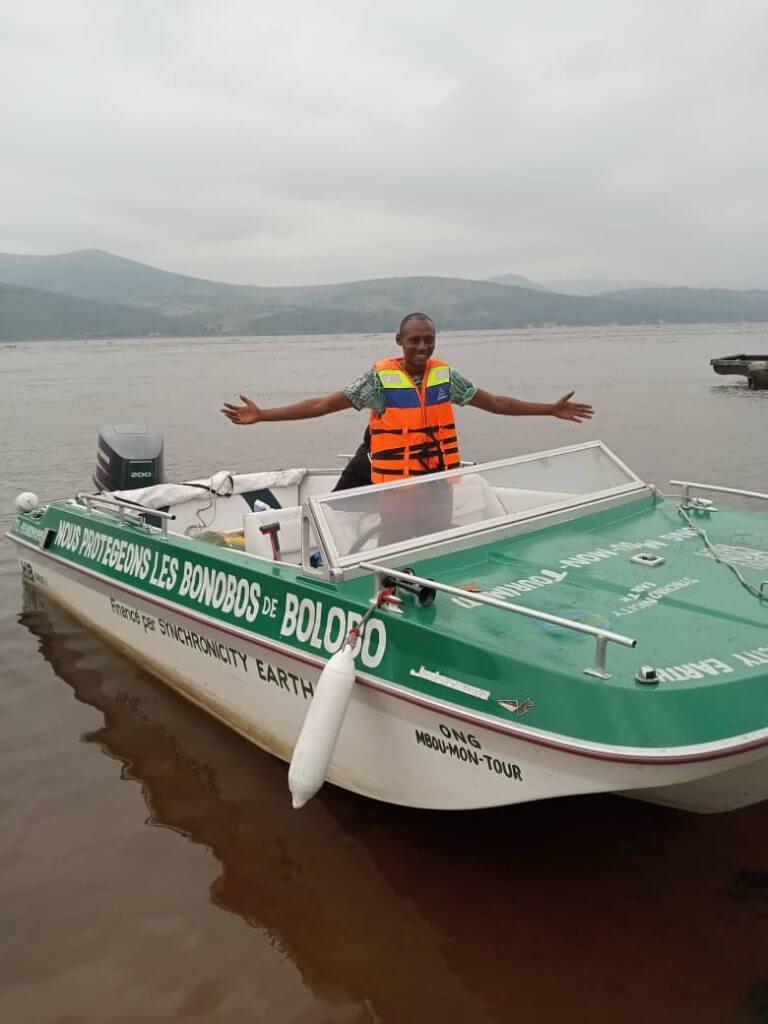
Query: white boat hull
[[391, 747]]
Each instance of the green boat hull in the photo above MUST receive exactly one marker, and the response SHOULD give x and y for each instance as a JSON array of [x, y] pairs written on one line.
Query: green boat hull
[[458, 705]]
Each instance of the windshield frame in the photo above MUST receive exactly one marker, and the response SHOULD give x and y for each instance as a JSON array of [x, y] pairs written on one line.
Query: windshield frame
[[339, 565]]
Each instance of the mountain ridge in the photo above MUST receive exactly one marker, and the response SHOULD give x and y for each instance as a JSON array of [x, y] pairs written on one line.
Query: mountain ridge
[[32, 314], [129, 297]]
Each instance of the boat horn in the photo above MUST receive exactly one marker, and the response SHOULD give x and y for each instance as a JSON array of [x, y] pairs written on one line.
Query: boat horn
[[424, 595]]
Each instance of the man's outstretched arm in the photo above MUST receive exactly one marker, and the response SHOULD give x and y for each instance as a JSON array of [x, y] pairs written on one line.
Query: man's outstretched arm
[[249, 412], [503, 405]]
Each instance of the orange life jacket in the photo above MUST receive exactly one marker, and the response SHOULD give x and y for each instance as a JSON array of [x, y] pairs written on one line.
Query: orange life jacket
[[416, 434]]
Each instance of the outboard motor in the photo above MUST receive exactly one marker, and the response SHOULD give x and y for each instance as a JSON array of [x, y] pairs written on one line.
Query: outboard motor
[[128, 456]]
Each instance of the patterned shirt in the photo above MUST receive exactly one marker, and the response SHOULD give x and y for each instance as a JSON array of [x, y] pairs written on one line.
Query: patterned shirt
[[367, 393]]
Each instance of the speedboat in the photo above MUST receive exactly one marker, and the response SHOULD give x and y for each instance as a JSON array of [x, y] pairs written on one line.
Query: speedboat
[[538, 626]]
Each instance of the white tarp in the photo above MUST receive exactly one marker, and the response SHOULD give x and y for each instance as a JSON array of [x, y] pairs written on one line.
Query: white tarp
[[221, 484]]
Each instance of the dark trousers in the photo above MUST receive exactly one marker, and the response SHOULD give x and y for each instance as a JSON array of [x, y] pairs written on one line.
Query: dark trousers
[[357, 472]]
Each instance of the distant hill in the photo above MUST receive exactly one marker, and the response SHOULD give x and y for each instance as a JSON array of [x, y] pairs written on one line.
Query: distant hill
[[520, 282], [596, 285], [699, 304], [94, 274], [29, 314], [192, 305], [90, 292], [574, 286]]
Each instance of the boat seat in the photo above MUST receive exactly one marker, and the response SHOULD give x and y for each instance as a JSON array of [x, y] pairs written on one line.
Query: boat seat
[[475, 500], [289, 537]]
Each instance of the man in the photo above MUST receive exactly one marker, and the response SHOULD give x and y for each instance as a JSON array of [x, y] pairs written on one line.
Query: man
[[411, 426]]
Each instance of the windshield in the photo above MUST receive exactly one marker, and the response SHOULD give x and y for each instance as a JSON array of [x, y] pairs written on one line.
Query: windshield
[[360, 522]]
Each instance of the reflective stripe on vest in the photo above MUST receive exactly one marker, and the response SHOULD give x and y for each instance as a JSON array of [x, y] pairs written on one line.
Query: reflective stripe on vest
[[416, 433]]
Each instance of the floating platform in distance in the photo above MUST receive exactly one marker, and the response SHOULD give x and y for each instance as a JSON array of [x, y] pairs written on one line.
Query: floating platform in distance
[[754, 368]]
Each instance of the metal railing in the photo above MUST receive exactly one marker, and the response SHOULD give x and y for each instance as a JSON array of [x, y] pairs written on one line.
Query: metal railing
[[602, 636], [120, 508], [716, 488]]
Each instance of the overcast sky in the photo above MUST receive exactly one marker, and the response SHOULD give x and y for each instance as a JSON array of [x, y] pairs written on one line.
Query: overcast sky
[[302, 142]]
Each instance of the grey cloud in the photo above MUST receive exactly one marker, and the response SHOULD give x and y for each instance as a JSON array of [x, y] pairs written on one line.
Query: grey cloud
[[299, 142]]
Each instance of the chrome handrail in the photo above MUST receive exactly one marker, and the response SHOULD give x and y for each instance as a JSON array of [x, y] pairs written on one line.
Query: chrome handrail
[[687, 484], [602, 636], [98, 500]]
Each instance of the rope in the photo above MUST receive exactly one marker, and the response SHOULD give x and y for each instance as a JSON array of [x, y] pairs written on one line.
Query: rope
[[761, 592], [195, 529], [385, 595]]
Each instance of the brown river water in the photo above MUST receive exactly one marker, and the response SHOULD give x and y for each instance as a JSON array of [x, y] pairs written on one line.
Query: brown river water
[[151, 867]]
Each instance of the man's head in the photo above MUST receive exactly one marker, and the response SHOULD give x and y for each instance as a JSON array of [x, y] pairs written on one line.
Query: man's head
[[416, 337]]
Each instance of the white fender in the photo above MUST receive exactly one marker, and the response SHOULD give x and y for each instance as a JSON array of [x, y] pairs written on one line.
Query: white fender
[[320, 731], [26, 501]]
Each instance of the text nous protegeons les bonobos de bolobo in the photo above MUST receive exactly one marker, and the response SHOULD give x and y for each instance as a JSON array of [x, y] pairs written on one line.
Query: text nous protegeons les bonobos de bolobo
[[307, 620]]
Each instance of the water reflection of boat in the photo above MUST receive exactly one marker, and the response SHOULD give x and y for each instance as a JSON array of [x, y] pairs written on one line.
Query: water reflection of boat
[[500, 696], [301, 877], [393, 915]]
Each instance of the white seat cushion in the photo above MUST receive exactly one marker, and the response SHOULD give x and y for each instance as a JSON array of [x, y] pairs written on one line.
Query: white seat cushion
[[474, 500]]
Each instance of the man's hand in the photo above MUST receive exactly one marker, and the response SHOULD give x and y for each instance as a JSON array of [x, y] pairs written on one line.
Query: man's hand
[[240, 415], [503, 405], [249, 412], [565, 409]]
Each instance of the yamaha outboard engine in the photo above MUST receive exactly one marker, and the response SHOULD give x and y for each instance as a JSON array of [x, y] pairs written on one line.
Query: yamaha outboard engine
[[129, 456]]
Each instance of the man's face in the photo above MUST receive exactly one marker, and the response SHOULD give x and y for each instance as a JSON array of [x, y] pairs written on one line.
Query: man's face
[[417, 340]]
